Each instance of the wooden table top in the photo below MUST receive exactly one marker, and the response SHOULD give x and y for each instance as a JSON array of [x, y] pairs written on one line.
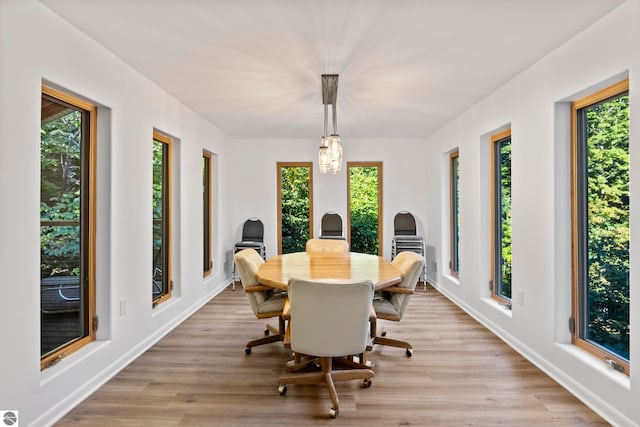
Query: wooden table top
[[350, 266]]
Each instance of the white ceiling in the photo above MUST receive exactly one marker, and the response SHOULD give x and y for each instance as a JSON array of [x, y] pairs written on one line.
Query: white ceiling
[[252, 67]]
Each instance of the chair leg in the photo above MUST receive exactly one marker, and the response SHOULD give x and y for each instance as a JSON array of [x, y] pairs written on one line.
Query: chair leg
[[325, 363], [263, 340], [382, 340], [278, 335], [394, 343]]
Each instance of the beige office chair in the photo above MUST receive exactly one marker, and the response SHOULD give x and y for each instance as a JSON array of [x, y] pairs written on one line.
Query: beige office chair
[[327, 246], [391, 303], [264, 302], [329, 320]]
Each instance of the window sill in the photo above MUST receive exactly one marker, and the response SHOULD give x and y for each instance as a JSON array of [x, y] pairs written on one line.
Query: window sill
[[500, 307], [71, 361], [596, 365], [452, 279]]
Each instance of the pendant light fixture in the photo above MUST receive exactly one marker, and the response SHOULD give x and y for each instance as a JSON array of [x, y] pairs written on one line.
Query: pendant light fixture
[[330, 153]]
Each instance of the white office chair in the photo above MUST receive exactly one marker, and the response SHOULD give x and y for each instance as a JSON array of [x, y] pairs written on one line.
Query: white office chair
[[391, 303], [326, 246], [263, 301], [329, 319]]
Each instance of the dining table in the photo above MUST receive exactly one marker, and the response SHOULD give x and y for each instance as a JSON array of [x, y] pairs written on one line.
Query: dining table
[[352, 266]]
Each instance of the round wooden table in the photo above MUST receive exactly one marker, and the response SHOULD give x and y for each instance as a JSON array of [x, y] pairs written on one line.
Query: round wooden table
[[277, 270]]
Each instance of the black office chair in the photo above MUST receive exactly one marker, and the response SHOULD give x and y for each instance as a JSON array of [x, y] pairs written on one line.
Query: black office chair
[[252, 238], [406, 238], [331, 226], [404, 224]]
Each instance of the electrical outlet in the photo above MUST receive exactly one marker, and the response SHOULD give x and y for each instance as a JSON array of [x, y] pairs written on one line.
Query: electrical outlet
[[123, 306], [520, 296]]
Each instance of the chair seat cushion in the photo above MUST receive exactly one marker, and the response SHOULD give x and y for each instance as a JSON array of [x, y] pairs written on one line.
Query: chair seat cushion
[[249, 244], [384, 306], [274, 303], [407, 237]]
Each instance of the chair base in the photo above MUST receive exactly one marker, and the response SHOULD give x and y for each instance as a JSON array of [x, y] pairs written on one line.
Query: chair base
[[381, 338], [327, 375], [278, 335], [394, 343]]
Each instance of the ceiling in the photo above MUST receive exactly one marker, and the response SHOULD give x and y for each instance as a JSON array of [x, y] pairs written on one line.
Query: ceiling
[[252, 67]]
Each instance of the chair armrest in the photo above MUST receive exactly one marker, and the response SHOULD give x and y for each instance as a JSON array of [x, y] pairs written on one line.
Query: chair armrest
[[257, 288], [398, 290], [286, 310], [372, 314]]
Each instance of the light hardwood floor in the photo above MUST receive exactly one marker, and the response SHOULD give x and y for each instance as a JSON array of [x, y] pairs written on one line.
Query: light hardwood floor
[[460, 374]]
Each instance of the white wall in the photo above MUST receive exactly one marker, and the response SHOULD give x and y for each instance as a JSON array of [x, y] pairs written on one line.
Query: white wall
[[37, 45], [255, 181], [535, 105]]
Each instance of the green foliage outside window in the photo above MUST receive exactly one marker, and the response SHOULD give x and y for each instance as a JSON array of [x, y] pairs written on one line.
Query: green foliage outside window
[[60, 168], [363, 188], [505, 217], [607, 140], [295, 208]]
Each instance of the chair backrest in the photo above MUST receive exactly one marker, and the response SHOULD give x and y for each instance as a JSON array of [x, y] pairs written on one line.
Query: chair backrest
[[410, 265], [331, 225], [327, 246], [404, 224], [329, 318], [247, 263], [253, 230]]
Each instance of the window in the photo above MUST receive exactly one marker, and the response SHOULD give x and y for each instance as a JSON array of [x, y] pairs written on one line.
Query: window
[[454, 199], [207, 261], [161, 280], [600, 224], [501, 216], [67, 225], [364, 198], [295, 206]]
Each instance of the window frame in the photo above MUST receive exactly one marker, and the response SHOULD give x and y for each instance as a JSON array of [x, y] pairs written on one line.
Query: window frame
[[577, 321], [279, 167], [454, 212], [89, 215], [207, 216], [380, 200], [496, 217], [167, 213]]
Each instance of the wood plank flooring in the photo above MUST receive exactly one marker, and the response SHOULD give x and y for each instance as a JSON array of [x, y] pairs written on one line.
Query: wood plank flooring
[[460, 374]]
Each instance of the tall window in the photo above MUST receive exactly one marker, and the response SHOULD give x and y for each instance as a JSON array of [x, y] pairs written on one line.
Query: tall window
[[364, 197], [501, 216], [207, 261], [161, 280], [67, 225], [600, 217], [454, 195], [295, 206]]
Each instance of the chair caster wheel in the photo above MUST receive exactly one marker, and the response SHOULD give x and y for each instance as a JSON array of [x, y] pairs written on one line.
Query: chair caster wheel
[[247, 351], [383, 333], [333, 413], [409, 352], [366, 383], [282, 390], [266, 332]]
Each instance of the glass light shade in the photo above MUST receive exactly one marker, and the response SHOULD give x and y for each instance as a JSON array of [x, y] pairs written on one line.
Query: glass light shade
[[335, 154], [324, 159]]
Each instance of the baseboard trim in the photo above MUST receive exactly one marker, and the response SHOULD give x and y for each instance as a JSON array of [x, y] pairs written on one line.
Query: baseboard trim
[[594, 402], [63, 407]]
